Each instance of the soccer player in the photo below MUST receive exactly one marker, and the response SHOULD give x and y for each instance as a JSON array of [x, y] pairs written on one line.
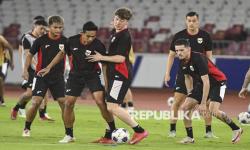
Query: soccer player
[[82, 74], [46, 47], [201, 42], [243, 92], [39, 27], [209, 87], [119, 72], [6, 58]]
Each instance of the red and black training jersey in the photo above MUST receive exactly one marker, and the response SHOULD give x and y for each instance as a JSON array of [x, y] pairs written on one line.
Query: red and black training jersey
[[46, 49], [201, 42], [120, 44], [78, 53], [200, 65]]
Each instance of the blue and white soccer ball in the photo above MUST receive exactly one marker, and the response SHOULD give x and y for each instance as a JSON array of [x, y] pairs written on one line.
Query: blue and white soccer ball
[[120, 135], [244, 117]]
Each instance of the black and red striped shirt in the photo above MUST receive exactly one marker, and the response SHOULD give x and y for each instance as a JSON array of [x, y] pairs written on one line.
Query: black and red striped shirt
[[120, 44], [199, 65], [46, 49]]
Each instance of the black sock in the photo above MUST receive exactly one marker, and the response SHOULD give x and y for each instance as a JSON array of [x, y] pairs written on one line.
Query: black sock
[[69, 131], [173, 127], [45, 109], [130, 104], [123, 105], [16, 108], [208, 128], [27, 125], [41, 113], [112, 126], [108, 134], [138, 129], [1, 100], [229, 121], [233, 126], [22, 106], [189, 132]]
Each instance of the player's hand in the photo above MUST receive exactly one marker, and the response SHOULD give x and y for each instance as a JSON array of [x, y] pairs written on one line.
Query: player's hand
[[243, 93], [202, 109], [94, 58], [43, 72], [167, 79], [25, 75]]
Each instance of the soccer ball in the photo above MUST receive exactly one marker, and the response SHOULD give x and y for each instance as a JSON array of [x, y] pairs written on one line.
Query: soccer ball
[[120, 135], [244, 117], [170, 101]]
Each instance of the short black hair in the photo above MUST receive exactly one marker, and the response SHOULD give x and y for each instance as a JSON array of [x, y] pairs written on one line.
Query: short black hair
[[184, 42], [192, 13], [89, 26], [38, 18], [124, 13], [41, 22]]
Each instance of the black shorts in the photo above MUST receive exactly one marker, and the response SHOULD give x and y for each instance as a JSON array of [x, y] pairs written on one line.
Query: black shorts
[[56, 86], [180, 85], [216, 92], [4, 70], [28, 84], [117, 90], [75, 84]]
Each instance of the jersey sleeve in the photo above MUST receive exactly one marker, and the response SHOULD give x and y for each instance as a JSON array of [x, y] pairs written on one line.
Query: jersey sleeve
[[35, 47], [201, 64], [25, 43], [209, 44], [124, 45]]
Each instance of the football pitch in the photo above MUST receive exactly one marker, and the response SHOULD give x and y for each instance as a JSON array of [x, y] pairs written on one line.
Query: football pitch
[[89, 126]]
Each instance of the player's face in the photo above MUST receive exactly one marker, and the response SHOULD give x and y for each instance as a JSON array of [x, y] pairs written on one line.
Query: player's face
[[120, 24], [56, 29], [40, 29], [182, 51], [192, 23], [88, 36]]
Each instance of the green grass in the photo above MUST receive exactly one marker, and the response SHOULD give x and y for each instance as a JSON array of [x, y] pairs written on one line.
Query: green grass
[[89, 125]]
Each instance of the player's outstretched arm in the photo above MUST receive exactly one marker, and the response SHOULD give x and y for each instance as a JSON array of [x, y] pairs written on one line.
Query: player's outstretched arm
[[56, 60], [28, 60], [169, 65], [99, 57]]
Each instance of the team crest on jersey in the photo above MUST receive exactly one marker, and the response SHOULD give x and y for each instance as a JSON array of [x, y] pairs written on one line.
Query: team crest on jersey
[[88, 52], [199, 40], [61, 47], [46, 46], [113, 39], [191, 68]]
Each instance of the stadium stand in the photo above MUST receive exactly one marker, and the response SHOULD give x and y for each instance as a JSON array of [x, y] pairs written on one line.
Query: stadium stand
[[154, 21]]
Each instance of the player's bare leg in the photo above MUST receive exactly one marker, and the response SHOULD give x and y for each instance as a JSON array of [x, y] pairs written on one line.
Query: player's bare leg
[[179, 98], [23, 100], [187, 108], [99, 99], [31, 114], [214, 108], [43, 109], [123, 115], [2, 103]]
